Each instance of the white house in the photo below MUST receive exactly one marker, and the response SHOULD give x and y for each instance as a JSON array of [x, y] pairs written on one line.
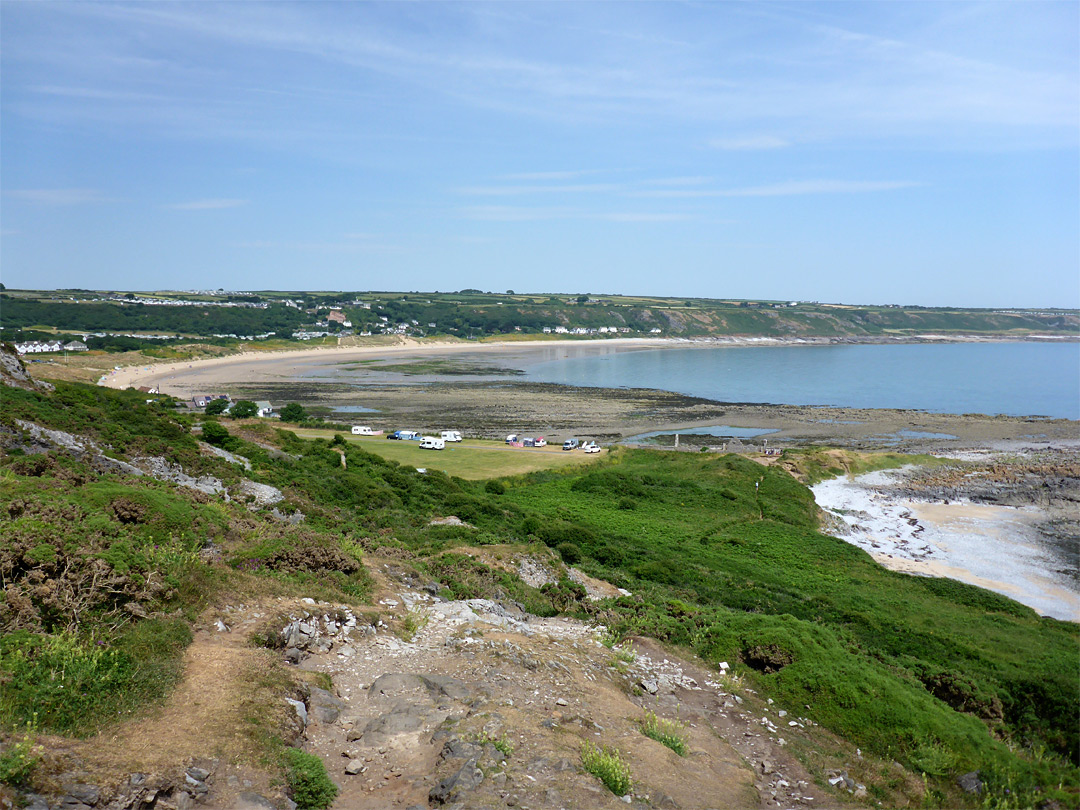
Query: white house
[[265, 408]]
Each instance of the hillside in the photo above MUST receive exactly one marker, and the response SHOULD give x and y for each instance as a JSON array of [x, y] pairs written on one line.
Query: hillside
[[163, 596], [162, 321]]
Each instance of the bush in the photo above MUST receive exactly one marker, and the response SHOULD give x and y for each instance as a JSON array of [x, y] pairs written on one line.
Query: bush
[[293, 412], [607, 765], [17, 763], [216, 407], [215, 433], [244, 409], [308, 781], [665, 732], [570, 553], [495, 487]]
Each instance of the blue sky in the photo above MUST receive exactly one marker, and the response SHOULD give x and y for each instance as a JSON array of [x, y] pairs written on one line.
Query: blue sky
[[871, 152]]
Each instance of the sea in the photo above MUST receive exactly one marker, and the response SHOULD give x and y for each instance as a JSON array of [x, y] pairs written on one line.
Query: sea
[[1017, 379]]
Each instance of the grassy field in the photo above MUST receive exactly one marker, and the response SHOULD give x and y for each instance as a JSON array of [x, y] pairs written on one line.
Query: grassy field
[[473, 459]]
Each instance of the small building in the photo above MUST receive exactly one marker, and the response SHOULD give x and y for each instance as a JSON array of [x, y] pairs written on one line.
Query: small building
[[265, 408], [76, 346], [337, 316]]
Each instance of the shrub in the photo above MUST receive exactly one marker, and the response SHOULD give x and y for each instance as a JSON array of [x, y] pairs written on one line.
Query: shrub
[[495, 487], [17, 763], [243, 409], [293, 412], [665, 732], [570, 553], [214, 433], [308, 781], [607, 765], [216, 407]]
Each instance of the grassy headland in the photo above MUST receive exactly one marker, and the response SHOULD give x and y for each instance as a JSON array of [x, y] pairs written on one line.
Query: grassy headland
[[105, 571]]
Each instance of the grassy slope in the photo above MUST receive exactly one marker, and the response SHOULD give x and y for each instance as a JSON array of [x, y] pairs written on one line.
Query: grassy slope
[[726, 569], [736, 572], [472, 459]]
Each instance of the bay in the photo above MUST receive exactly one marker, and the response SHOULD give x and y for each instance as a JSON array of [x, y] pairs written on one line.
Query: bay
[[1018, 379]]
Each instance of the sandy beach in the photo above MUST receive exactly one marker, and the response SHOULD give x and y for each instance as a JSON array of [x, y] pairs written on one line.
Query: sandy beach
[[179, 378], [479, 386], [993, 547]]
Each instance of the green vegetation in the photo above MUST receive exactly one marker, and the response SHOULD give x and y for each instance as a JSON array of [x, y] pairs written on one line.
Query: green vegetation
[[473, 459], [474, 314], [18, 760], [293, 412], [607, 765], [104, 572], [502, 744], [308, 781], [665, 732]]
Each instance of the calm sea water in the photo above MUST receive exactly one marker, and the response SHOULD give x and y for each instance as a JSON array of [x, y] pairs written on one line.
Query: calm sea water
[[1020, 379]]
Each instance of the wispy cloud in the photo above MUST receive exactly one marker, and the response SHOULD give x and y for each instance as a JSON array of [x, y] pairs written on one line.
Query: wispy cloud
[[213, 204], [315, 246], [565, 175], [749, 143], [509, 191], [511, 213], [60, 196], [788, 189]]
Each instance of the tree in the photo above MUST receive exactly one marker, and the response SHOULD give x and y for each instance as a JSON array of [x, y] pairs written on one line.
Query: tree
[[581, 299], [215, 433], [216, 407], [293, 412], [244, 409], [509, 292]]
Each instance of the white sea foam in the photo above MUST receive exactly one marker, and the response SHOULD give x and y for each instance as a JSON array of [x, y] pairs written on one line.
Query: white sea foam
[[993, 547]]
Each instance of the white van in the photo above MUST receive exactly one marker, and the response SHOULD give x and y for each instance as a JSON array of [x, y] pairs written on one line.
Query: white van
[[362, 430], [450, 435], [432, 443]]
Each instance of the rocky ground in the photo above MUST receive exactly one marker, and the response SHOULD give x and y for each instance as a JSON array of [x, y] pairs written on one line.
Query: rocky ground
[[1048, 479], [486, 706], [493, 409], [428, 703]]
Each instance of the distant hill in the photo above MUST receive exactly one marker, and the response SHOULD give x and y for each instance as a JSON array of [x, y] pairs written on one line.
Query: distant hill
[[472, 314]]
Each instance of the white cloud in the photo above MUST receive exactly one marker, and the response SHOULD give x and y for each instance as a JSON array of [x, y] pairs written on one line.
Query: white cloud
[[790, 188], [59, 196], [507, 191], [510, 213], [209, 205], [749, 143]]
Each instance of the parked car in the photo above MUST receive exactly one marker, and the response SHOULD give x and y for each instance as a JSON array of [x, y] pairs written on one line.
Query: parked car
[[405, 435], [364, 430], [591, 447], [540, 442], [571, 444], [450, 435], [432, 443]]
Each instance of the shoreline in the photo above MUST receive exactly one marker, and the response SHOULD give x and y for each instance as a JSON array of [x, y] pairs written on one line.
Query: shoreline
[[489, 401], [991, 546], [135, 375]]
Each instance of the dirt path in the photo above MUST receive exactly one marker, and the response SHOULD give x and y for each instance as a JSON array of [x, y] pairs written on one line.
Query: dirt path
[[489, 707]]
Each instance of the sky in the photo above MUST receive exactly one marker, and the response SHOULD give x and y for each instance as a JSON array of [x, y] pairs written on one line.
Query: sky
[[862, 152]]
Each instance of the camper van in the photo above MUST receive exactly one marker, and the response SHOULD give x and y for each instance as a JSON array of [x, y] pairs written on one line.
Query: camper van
[[570, 444], [450, 435], [364, 430], [432, 443], [512, 438]]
